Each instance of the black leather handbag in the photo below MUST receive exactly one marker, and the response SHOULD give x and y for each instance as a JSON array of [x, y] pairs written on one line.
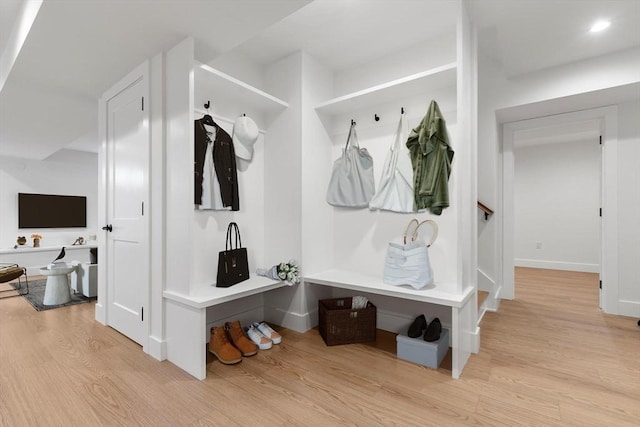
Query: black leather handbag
[[233, 265]]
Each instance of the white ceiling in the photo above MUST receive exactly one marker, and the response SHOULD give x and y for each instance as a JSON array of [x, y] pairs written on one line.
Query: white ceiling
[[8, 15], [77, 49], [530, 35], [342, 34]]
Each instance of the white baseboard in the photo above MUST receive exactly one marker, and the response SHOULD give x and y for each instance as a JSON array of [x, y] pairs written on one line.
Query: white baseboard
[[475, 341], [157, 348], [394, 322], [386, 320], [399, 323], [246, 317], [557, 265], [298, 322], [629, 308], [492, 303], [101, 314]]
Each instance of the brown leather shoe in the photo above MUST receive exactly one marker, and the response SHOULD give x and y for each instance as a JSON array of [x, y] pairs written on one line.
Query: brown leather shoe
[[220, 346], [239, 339]]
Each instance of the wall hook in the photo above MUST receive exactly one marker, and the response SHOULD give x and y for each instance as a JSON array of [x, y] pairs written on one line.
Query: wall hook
[[376, 117], [401, 110], [207, 105], [353, 123]]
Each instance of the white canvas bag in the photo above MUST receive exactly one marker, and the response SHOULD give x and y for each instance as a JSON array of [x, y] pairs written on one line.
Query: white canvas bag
[[395, 190], [408, 263], [352, 183]]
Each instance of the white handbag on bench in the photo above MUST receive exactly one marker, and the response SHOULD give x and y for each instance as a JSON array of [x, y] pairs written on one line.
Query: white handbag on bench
[[408, 263]]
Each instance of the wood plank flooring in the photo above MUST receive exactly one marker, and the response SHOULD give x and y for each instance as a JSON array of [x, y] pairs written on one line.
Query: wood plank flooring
[[550, 357]]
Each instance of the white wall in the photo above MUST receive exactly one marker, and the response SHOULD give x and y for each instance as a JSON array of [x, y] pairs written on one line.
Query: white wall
[[578, 86], [629, 210], [404, 62], [360, 236], [210, 227], [357, 239], [78, 177], [557, 197]]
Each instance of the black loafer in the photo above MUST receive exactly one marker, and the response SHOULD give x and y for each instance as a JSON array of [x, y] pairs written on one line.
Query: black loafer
[[433, 331], [418, 325]]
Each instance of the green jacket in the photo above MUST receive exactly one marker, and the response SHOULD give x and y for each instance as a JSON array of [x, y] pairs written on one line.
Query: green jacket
[[431, 157]]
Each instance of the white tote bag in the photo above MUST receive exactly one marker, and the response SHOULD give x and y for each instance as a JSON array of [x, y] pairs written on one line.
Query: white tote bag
[[352, 183], [408, 263], [395, 190]]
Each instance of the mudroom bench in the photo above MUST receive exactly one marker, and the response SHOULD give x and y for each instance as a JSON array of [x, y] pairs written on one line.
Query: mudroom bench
[[186, 320], [464, 332]]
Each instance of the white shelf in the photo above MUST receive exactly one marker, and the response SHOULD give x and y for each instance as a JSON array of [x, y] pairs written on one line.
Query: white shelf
[[415, 84], [208, 296], [221, 88], [442, 293]]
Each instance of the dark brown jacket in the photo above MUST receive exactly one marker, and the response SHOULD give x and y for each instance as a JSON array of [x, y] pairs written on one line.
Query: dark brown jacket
[[224, 160]]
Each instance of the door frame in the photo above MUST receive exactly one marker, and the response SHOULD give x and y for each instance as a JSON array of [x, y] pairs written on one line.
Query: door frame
[[141, 72], [608, 117]]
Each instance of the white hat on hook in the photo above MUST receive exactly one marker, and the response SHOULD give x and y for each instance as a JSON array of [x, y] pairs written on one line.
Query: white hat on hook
[[245, 134]]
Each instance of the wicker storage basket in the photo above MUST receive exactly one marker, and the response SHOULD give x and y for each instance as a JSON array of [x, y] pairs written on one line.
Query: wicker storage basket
[[339, 324]]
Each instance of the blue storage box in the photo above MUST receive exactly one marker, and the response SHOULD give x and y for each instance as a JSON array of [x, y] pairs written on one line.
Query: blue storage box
[[417, 350]]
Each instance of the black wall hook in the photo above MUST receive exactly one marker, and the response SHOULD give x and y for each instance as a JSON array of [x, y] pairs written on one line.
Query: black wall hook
[[207, 105], [401, 110], [376, 117], [353, 123]]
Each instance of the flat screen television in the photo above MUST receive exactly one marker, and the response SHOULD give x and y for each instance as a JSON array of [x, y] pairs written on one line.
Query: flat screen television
[[51, 211]]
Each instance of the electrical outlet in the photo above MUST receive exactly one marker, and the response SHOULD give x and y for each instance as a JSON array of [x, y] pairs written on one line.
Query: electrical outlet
[[538, 245]]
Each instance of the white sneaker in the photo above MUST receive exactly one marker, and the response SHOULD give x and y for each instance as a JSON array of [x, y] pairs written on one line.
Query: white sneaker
[[268, 332], [259, 339]]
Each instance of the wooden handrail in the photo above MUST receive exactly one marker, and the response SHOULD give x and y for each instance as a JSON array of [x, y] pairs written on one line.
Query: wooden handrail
[[485, 209]]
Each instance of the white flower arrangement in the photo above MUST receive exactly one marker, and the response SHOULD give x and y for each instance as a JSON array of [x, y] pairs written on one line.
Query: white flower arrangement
[[288, 272]]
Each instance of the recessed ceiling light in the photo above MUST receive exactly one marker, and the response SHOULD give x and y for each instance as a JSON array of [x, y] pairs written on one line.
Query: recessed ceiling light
[[599, 26]]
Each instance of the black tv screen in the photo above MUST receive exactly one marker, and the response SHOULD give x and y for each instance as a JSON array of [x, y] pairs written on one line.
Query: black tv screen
[[51, 211]]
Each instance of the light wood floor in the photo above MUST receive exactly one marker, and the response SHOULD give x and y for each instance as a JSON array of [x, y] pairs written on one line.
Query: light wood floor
[[550, 357]]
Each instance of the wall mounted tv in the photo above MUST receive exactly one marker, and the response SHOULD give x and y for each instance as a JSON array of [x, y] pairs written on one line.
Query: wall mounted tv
[[51, 211]]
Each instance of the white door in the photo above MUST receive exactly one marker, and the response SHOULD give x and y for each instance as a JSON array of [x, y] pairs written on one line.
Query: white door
[[127, 182]]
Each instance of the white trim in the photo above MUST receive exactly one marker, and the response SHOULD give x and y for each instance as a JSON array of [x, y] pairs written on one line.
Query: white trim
[[628, 308], [485, 283], [609, 267], [246, 317], [609, 270], [157, 348], [557, 265], [507, 216], [299, 322], [492, 302]]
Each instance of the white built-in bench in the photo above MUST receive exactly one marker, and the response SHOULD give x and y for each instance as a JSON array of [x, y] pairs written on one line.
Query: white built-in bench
[[464, 334], [210, 295], [186, 319], [187, 314]]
